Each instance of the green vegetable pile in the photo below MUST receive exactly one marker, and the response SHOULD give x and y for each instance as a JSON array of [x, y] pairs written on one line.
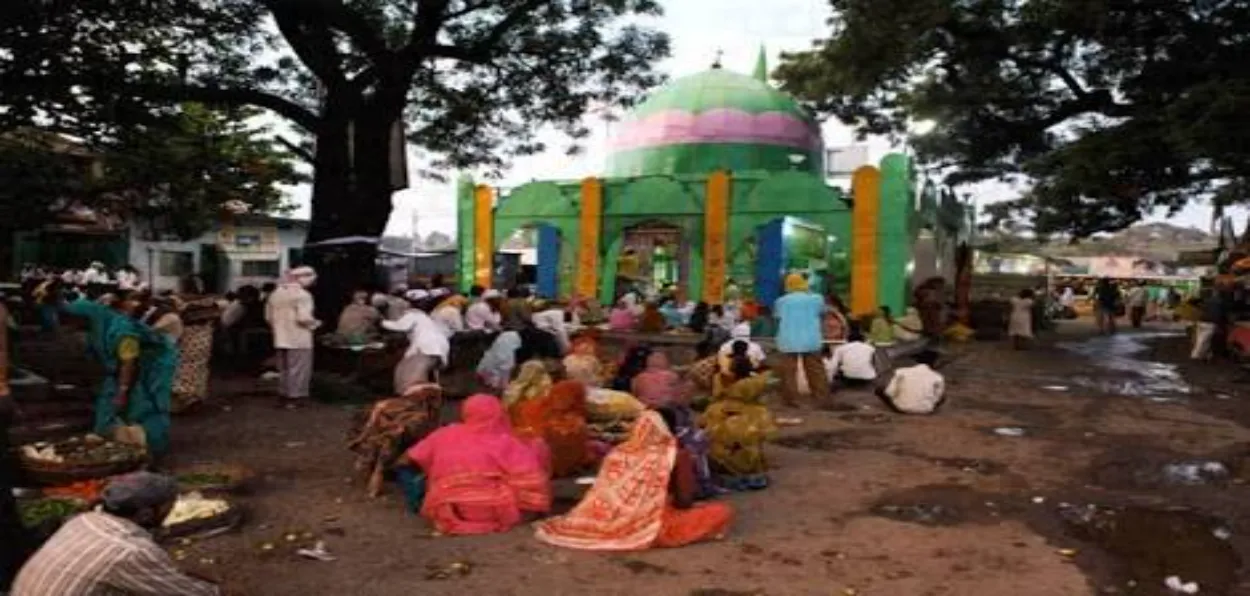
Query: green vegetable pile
[[35, 512]]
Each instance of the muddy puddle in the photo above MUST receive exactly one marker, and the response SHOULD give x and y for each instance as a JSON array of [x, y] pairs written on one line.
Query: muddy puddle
[[1160, 547], [940, 505], [1129, 372], [1135, 469]]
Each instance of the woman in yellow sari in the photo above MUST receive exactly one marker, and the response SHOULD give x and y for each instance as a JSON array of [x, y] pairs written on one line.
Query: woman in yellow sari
[[738, 425], [532, 381]]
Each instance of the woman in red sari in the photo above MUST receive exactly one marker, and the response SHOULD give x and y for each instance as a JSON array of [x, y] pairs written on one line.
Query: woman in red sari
[[643, 498], [559, 419], [481, 478]]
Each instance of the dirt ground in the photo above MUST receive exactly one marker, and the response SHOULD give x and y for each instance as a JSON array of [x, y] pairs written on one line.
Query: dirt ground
[[1132, 467]]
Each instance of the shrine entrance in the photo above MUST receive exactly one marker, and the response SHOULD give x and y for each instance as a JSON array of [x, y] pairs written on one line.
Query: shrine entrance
[[653, 257]]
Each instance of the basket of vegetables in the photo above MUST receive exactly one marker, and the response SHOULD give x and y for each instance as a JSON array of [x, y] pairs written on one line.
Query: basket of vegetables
[[79, 458], [48, 513], [209, 477], [195, 514]]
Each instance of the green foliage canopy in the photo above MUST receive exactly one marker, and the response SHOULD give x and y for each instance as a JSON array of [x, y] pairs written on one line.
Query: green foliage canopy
[[1106, 109]]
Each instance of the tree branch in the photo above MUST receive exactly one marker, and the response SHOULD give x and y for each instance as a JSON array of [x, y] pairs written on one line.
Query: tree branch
[[206, 94], [295, 148], [315, 49]]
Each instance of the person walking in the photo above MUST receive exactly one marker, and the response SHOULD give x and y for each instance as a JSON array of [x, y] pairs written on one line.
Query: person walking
[[799, 315], [1138, 298], [1106, 302], [289, 311]]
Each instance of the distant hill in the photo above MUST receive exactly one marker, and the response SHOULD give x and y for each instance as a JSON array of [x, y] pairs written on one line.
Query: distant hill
[[1154, 241]]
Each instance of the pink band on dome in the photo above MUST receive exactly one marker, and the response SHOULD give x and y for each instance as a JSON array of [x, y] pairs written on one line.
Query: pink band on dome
[[674, 127]]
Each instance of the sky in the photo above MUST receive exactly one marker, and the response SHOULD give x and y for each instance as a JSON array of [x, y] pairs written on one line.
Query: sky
[[698, 29]]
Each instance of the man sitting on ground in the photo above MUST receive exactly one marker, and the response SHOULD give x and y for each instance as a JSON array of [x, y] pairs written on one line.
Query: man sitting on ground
[[916, 389], [112, 551], [851, 364]]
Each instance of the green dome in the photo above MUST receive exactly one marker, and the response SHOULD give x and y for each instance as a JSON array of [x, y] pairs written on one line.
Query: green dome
[[712, 120]]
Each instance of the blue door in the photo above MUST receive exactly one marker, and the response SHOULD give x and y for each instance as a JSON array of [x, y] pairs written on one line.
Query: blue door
[[769, 263], [548, 261]]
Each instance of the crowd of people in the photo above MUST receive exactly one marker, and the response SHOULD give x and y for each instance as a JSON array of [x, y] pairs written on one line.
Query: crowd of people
[[692, 434]]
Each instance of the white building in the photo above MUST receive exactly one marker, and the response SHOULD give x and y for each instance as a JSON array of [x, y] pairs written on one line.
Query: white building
[[250, 249]]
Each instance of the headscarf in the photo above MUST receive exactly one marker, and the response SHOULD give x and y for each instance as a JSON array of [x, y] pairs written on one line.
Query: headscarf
[[304, 276], [635, 362], [624, 510], [657, 386], [795, 283], [559, 419], [583, 363], [499, 360], [457, 301], [485, 415], [651, 321], [532, 381], [480, 463]]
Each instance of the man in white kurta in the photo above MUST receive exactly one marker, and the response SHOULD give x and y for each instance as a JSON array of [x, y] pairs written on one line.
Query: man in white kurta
[[289, 312]]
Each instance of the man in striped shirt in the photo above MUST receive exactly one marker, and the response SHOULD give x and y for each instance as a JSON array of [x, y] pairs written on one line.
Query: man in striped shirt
[[103, 553]]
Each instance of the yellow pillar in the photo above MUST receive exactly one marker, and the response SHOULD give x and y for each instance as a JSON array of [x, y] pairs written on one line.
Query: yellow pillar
[[866, 186], [716, 237], [589, 230], [484, 235]]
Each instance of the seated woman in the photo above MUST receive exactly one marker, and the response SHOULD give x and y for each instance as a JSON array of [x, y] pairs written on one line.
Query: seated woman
[[393, 425], [643, 498], [738, 359], [359, 319], [742, 333], [764, 325], [835, 325], [737, 425], [910, 327], [532, 382], [622, 318], [494, 370], [634, 363], [651, 320], [658, 385], [661, 388], [583, 364], [881, 333], [481, 478], [558, 419]]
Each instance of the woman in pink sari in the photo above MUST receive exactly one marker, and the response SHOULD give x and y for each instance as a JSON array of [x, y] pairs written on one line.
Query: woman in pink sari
[[481, 478]]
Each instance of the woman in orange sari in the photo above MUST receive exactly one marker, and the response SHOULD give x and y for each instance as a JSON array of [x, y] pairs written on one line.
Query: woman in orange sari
[[481, 478], [559, 419], [643, 498]]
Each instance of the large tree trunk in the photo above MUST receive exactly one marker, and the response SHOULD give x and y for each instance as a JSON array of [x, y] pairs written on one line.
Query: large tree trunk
[[351, 198]]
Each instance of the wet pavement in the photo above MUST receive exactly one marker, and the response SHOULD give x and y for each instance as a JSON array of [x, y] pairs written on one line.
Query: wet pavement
[[1130, 374]]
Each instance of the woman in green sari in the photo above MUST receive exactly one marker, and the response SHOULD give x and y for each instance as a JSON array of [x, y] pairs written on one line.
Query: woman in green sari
[[139, 369]]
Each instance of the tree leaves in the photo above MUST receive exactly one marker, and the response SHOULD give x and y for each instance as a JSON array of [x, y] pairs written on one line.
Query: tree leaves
[[1110, 109]]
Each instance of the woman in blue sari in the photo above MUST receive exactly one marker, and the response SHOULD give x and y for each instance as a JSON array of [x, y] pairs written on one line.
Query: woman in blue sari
[[139, 369]]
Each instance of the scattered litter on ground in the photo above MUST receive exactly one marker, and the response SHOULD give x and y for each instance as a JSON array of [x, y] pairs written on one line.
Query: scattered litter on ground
[[318, 552], [1009, 431], [1055, 387], [435, 571], [1175, 584], [1195, 472]]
